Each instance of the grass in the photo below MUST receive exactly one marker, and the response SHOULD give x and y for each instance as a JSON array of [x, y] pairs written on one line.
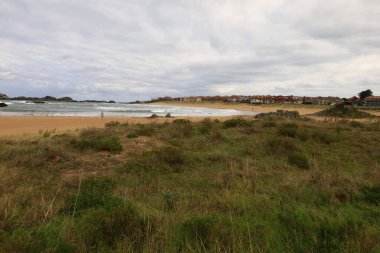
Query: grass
[[235, 186]]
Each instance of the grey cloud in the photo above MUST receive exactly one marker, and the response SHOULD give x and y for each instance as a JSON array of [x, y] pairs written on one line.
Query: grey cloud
[[129, 50]]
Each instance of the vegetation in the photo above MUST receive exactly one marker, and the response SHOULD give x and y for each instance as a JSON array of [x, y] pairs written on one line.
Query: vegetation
[[240, 185], [365, 93], [344, 110]]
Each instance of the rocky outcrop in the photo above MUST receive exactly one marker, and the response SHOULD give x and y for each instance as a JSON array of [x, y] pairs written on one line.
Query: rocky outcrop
[[3, 96], [3, 105]]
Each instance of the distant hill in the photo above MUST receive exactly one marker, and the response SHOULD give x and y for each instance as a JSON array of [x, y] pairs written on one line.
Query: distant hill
[[46, 98]]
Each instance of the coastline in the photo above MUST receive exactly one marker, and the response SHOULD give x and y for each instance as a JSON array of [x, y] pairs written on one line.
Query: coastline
[[20, 125], [30, 125], [302, 109]]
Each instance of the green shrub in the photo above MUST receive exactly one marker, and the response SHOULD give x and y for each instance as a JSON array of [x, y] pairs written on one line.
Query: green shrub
[[323, 137], [290, 125], [281, 146], [110, 144], [164, 159], [46, 238], [181, 128], [132, 134], [170, 200], [303, 134], [356, 124], [181, 121], [99, 227], [371, 195], [287, 131], [199, 231], [300, 160], [112, 124], [94, 193], [144, 130], [269, 124], [237, 122], [206, 126]]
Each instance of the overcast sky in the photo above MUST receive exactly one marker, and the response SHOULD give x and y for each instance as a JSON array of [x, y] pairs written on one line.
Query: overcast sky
[[140, 49]]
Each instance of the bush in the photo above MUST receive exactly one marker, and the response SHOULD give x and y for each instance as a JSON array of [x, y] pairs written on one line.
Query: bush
[[170, 200], [299, 160], [94, 193], [238, 122], [110, 144], [99, 227], [112, 124], [132, 134], [206, 126], [288, 129], [323, 137], [371, 195], [269, 124], [281, 146], [164, 159], [199, 231], [181, 128], [356, 124], [181, 121]]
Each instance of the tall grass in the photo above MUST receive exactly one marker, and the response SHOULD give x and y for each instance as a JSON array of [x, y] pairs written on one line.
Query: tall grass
[[234, 186]]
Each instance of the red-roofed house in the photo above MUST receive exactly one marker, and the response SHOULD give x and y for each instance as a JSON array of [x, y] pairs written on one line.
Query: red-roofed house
[[372, 101]]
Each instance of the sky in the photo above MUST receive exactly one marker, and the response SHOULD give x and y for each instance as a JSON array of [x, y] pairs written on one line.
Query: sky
[[129, 50]]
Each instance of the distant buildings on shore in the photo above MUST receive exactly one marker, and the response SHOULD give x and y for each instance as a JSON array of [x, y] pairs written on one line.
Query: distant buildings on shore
[[268, 99]]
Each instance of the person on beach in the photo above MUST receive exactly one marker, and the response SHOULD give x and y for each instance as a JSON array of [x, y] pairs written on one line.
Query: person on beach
[[102, 115]]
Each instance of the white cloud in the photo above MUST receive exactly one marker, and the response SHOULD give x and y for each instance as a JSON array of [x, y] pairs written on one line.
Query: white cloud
[[138, 49]]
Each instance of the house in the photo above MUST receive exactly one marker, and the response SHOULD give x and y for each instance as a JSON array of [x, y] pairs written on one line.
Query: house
[[372, 101], [354, 99]]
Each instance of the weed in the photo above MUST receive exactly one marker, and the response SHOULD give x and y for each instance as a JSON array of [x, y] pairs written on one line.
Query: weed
[[112, 124], [111, 144], [201, 230], [356, 124], [269, 124], [300, 160], [288, 129], [237, 122], [170, 200], [371, 195]]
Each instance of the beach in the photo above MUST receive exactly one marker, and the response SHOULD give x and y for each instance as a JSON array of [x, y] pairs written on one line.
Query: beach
[[303, 110], [18, 125]]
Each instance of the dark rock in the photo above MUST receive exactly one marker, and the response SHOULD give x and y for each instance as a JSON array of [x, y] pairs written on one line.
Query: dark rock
[[154, 116], [168, 115], [3, 96], [3, 105]]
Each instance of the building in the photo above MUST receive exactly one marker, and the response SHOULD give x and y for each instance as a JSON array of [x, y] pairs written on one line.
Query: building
[[372, 101]]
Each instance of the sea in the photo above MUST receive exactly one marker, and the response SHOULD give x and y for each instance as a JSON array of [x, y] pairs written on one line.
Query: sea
[[91, 109]]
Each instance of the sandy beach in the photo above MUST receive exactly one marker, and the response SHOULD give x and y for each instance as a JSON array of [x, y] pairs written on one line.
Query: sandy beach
[[303, 110], [18, 125]]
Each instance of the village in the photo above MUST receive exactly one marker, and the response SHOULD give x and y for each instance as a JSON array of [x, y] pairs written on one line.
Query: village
[[269, 99]]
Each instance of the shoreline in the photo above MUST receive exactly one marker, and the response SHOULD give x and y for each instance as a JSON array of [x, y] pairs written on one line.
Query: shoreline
[[302, 109], [31, 125]]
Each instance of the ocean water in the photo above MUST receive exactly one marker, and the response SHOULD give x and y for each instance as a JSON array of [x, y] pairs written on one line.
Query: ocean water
[[26, 108]]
